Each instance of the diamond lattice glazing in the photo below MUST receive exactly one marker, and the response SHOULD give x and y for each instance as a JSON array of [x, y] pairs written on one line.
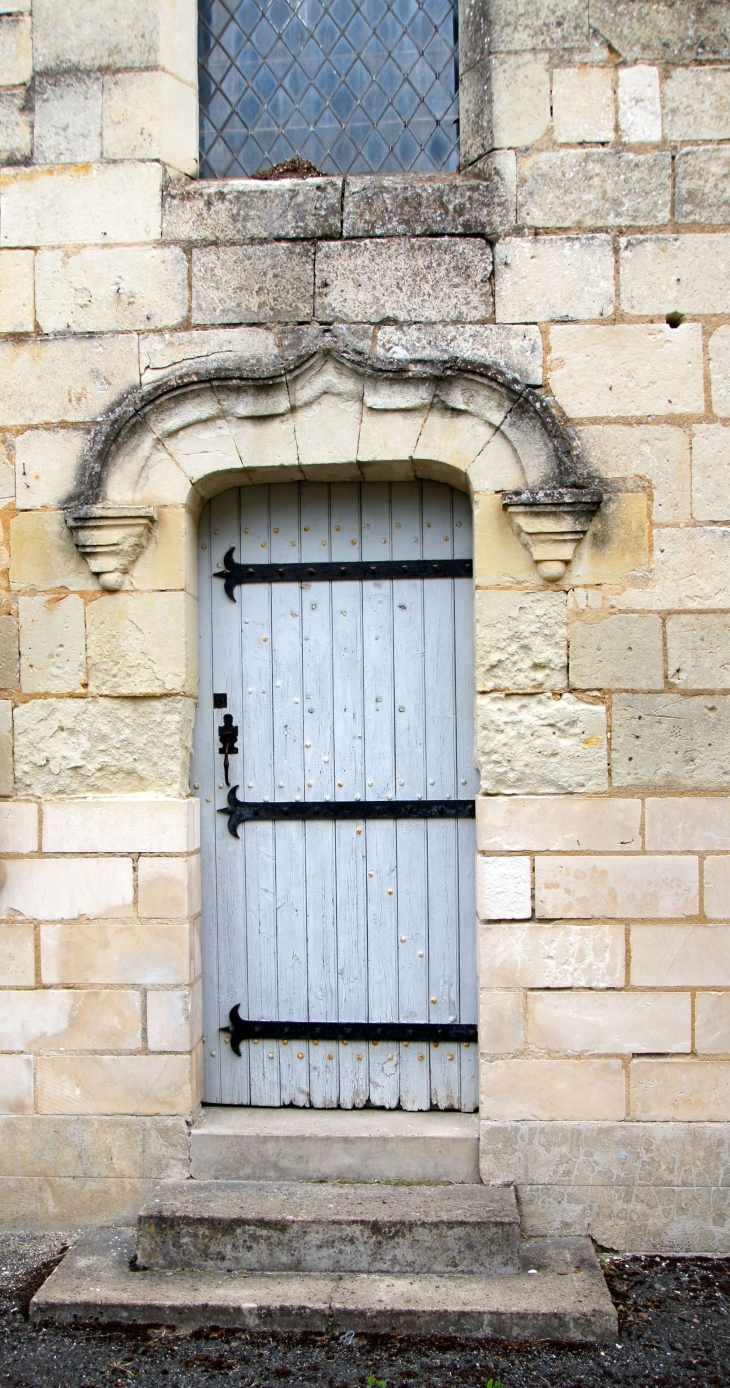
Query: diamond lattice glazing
[[356, 86]]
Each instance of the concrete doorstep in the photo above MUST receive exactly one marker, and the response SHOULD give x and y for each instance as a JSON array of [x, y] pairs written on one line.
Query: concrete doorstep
[[559, 1294]]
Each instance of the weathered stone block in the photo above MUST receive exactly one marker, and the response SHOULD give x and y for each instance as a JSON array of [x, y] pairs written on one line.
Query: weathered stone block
[[93, 746], [719, 351], [104, 202], [501, 1025], [151, 115], [557, 278], [556, 1089], [628, 369], [657, 452], [174, 1019], [158, 955], [140, 643], [517, 349], [67, 128], [119, 825], [696, 103], [95, 35], [553, 956], [691, 569], [103, 290], [510, 27], [670, 742], [520, 640], [717, 888], [557, 824], [16, 292], [538, 744], [16, 50], [237, 210], [680, 956], [701, 185], [9, 654], [7, 782], [245, 347], [612, 1022], [504, 890], [422, 205], [17, 956], [619, 653], [424, 281], [46, 461], [169, 887], [16, 1084], [677, 33], [55, 380], [688, 1090], [78, 1020], [43, 554], [18, 827], [639, 105], [16, 131], [253, 284], [504, 103], [594, 188], [63, 888], [711, 472], [76, 1148], [681, 274], [588, 888], [583, 105], [140, 1084], [697, 824], [167, 561], [52, 647], [698, 651], [712, 1023]]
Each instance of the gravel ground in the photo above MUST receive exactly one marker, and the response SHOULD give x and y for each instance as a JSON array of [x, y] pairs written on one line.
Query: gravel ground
[[674, 1316]]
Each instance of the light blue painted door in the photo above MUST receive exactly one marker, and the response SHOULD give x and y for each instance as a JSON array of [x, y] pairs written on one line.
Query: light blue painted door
[[353, 690]]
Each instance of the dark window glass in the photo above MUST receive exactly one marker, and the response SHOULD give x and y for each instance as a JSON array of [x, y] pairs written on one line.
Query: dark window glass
[[354, 86]]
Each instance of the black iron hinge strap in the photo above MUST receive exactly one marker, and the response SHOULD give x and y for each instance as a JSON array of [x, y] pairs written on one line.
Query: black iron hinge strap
[[235, 574], [242, 1029], [243, 811]]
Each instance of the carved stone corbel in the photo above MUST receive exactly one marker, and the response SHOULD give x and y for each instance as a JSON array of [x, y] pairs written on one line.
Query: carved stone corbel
[[111, 539], [551, 522]]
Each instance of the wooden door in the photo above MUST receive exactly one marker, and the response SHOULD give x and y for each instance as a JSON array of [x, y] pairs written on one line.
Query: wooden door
[[339, 695]]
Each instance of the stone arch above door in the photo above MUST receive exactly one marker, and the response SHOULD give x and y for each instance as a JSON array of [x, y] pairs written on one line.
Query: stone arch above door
[[332, 416]]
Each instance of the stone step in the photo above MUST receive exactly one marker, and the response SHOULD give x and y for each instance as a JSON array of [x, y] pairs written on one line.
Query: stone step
[[289, 1144], [325, 1228], [559, 1294]]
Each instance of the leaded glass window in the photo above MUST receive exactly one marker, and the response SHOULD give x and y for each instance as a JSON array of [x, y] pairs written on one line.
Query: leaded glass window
[[354, 86]]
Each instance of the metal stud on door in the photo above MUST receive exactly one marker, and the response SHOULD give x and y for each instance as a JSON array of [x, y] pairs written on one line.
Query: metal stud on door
[[339, 938]]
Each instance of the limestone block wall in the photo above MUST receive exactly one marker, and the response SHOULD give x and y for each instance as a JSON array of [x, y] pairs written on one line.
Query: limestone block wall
[[585, 249]]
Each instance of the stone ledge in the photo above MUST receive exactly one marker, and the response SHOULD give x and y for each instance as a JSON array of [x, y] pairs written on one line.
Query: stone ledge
[[228, 211]]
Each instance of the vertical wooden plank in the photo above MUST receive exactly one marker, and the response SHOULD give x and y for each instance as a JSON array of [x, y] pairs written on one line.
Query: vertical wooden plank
[[443, 881], [349, 761], [380, 784], [289, 841], [230, 869], [410, 752], [318, 694], [259, 841]]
